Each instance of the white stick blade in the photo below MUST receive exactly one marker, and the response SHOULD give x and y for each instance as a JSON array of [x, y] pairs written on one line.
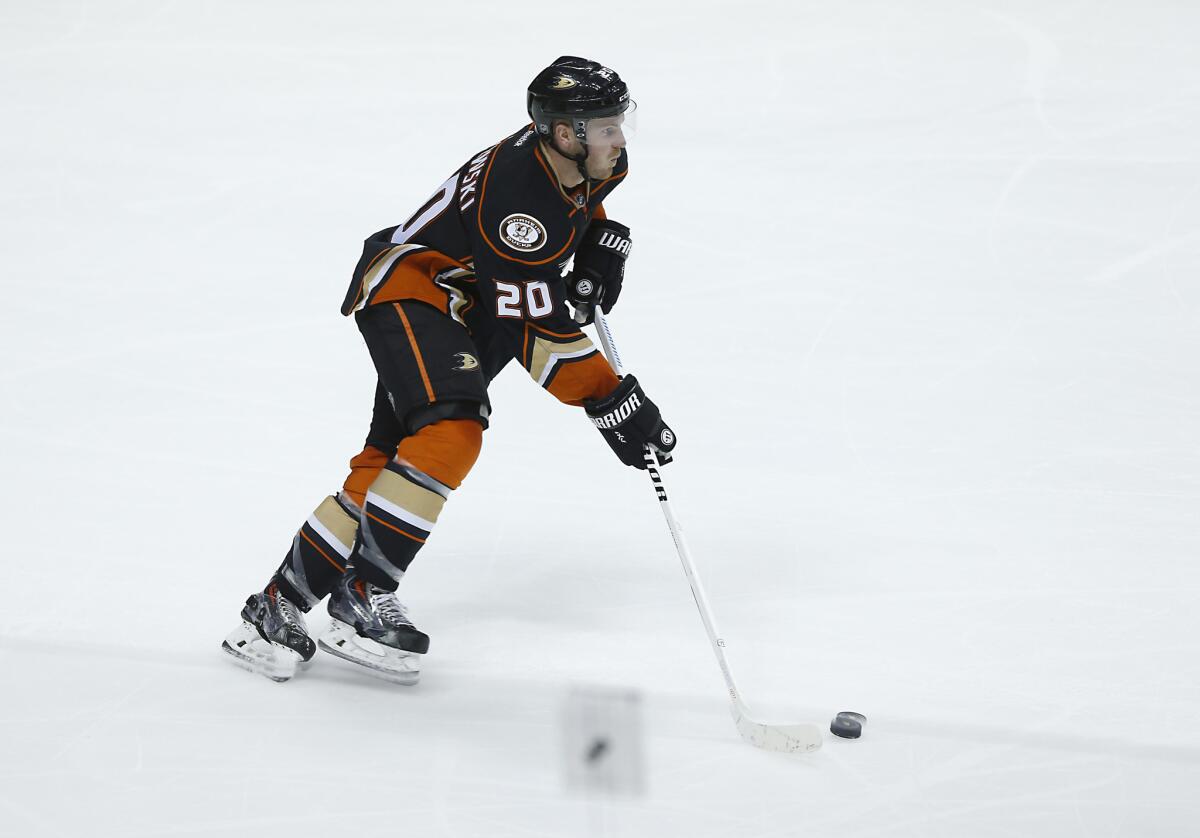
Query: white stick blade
[[788, 739]]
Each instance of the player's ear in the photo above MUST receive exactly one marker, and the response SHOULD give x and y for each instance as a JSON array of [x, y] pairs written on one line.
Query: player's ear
[[562, 137]]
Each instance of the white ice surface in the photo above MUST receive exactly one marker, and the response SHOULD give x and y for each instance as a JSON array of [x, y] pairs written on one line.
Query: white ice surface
[[917, 283]]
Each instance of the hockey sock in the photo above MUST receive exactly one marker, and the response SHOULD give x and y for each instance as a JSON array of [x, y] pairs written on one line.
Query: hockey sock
[[401, 508], [364, 468], [445, 450], [319, 553], [403, 503]]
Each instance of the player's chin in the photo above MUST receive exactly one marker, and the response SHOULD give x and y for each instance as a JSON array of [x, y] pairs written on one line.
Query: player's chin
[[604, 169]]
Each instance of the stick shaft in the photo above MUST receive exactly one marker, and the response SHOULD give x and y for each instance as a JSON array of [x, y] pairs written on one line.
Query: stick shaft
[[608, 344]]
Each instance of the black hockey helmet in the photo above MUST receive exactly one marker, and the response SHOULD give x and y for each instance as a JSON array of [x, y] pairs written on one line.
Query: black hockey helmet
[[575, 90]]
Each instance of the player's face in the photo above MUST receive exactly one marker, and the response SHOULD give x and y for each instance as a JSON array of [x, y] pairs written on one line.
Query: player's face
[[605, 139]]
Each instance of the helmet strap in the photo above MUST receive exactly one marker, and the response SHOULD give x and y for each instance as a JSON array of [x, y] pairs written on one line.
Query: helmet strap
[[580, 159], [580, 131]]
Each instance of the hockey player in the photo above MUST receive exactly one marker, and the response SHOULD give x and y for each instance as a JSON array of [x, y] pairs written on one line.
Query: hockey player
[[471, 281]]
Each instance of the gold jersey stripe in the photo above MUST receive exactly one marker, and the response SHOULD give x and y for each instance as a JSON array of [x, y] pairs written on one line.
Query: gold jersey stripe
[[545, 353]]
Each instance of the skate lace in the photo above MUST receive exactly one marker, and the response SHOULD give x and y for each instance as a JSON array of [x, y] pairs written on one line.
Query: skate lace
[[390, 608], [289, 612]]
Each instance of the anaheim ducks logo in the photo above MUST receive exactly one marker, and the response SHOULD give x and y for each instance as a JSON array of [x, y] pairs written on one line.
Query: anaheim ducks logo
[[563, 83], [467, 362], [522, 232]]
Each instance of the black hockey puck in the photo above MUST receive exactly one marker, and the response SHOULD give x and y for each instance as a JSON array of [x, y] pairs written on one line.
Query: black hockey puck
[[847, 725], [598, 749]]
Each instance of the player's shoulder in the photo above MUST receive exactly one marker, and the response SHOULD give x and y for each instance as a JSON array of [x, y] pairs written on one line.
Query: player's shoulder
[[523, 215], [519, 174], [516, 151]]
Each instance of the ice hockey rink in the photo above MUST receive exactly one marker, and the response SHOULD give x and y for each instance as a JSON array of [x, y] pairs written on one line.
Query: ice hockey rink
[[916, 283]]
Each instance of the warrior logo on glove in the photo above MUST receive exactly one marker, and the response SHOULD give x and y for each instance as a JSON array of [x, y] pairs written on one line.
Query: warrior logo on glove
[[620, 414], [599, 269], [629, 421], [612, 241]]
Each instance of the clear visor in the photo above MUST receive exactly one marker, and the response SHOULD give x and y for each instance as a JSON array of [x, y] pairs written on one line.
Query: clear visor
[[612, 131]]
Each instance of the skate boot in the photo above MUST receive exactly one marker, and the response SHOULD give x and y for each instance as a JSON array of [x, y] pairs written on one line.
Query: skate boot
[[273, 639], [370, 628]]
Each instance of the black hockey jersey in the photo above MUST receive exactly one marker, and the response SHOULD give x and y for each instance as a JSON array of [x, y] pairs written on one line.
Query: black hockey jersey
[[488, 249]]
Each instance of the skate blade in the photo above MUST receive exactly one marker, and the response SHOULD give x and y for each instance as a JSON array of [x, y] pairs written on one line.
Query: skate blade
[[247, 649], [392, 665]]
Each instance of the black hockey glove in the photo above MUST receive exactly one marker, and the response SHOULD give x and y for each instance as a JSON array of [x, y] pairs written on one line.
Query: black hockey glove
[[628, 420], [599, 269]]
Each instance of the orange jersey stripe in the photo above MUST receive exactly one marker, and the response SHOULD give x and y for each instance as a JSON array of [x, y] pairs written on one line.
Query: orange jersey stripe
[[545, 331], [600, 185], [537, 154]]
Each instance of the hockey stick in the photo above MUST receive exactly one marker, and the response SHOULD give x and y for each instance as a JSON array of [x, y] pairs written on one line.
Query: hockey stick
[[788, 738]]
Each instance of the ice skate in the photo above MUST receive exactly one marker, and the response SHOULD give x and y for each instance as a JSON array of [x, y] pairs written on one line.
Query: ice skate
[[272, 639], [369, 627]]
